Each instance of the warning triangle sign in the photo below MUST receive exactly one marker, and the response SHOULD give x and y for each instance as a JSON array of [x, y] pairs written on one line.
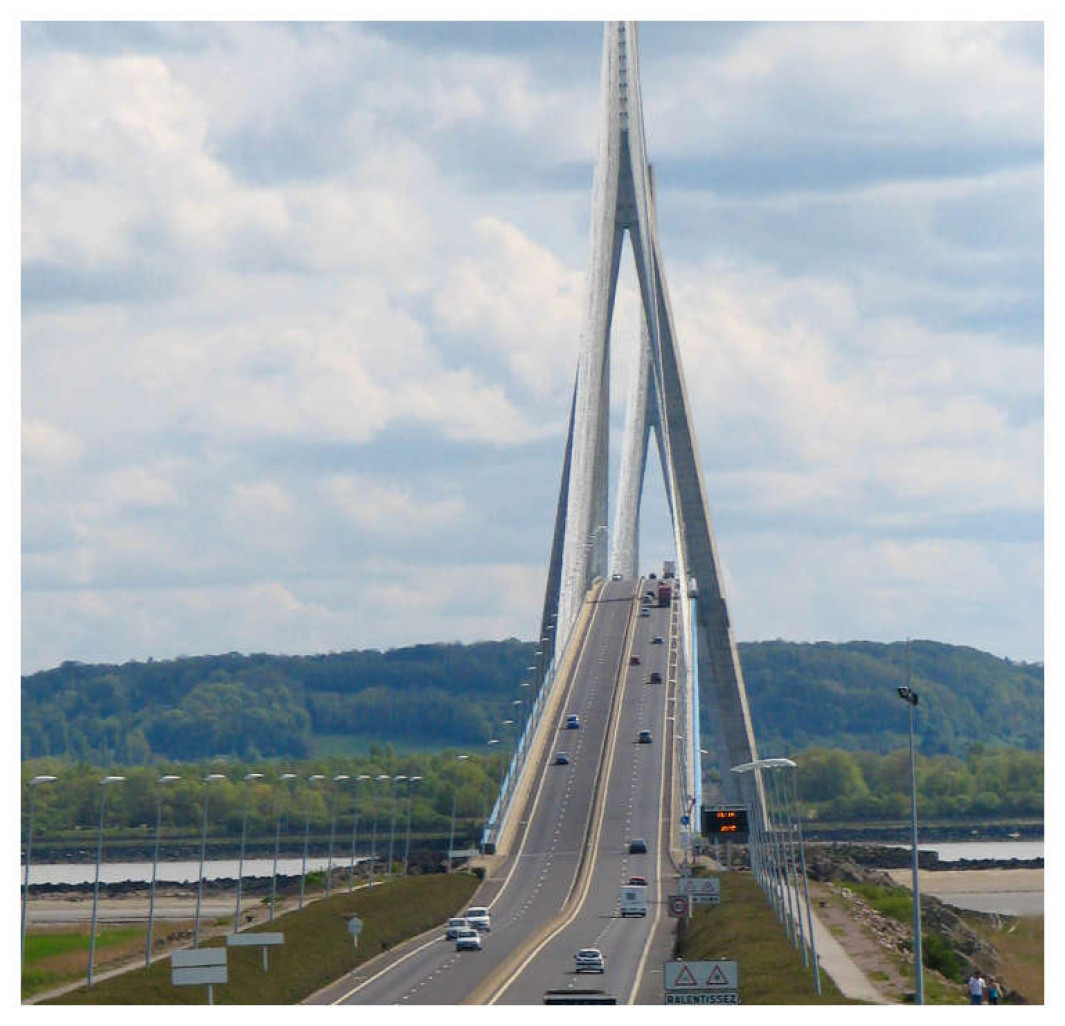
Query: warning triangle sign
[[685, 978], [717, 978]]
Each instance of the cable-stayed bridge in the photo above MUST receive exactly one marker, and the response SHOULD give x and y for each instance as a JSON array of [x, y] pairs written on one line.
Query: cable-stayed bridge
[[615, 651]]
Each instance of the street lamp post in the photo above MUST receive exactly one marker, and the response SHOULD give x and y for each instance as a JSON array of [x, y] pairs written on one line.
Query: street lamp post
[[104, 785], [207, 781], [277, 839], [41, 778], [406, 846], [332, 832], [307, 835], [166, 778], [355, 827], [392, 827], [373, 836], [805, 880], [909, 696], [451, 832], [249, 778]]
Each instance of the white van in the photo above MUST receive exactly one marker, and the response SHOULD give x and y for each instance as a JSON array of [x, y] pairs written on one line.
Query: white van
[[633, 900], [479, 918]]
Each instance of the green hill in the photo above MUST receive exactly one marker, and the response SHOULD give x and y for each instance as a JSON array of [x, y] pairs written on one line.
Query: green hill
[[430, 696]]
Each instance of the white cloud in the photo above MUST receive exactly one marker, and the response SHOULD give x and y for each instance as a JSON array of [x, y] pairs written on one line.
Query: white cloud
[[45, 445], [376, 507]]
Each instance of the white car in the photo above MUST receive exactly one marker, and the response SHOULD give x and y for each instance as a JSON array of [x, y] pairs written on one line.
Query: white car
[[451, 931], [590, 960], [479, 918], [468, 940]]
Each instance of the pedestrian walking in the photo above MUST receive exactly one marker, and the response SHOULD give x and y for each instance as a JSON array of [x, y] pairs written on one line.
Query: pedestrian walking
[[994, 991], [977, 986]]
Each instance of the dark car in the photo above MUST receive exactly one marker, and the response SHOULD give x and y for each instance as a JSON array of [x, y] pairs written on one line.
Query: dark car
[[637, 881], [656, 640], [561, 759], [573, 722], [650, 577], [637, 846], [644, 737], [634, 660], [655, 678]]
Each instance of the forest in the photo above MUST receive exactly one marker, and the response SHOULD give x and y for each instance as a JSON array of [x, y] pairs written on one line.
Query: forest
[[429, 697]]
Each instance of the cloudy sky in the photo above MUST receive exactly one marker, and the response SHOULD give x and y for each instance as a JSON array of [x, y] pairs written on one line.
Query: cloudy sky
[[301, 307]]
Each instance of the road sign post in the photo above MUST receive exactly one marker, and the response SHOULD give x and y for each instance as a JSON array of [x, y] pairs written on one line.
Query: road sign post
[[199, 966], [702, 983], [354, 928], [680, 905], [255, 940]]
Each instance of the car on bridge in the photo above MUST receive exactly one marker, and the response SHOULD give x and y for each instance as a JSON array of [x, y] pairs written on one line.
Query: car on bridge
[[451, 930], [573, 722], [634, 660], [656, 640], [644, 737], [590, 960], [561, 759], [655, 678], [637, 846], [478, 917], [468, 940], [637, 881]]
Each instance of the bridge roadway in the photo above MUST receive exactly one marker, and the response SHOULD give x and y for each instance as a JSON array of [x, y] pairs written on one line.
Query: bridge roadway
[[532, 887]]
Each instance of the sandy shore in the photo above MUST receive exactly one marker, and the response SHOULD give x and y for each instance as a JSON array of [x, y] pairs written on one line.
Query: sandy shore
[[1008, 891]]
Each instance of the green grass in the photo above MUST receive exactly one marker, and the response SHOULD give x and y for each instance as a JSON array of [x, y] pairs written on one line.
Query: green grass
[[318, 948], [893, 902], [46, 945], [1020, 945], [50, 955], [744, 928]]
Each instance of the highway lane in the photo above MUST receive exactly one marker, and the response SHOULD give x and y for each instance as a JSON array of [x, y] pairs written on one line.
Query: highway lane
[[536, 881], [637, 788]]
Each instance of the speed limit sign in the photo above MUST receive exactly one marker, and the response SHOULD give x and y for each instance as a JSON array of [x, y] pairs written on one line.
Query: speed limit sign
[[679, 905]]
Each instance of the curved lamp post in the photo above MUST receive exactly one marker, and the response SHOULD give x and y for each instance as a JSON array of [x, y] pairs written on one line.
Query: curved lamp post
[[909, 696], [355, 827], [249, 778], [307, 836], [277, 840], [41, 778], [332, 832], [207, 781], [166, 778], [406, 847], [104, 785], [451, 832]]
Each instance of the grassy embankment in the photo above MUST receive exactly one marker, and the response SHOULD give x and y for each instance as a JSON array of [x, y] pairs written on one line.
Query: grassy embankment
[[317, 950], [1019, 942], [745, 929]]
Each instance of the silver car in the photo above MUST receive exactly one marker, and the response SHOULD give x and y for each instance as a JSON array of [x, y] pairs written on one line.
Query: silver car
[[468, 940], [590, 960]]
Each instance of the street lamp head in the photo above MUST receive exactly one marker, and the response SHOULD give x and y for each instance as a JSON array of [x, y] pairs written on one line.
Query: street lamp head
[[364, 776], [414, 779], [508, 723], [339, 777], [111, 780], [168, 778], [461, 758], [908, 695], [382, 776], [287, 776], [493, 741], [315, 776], [400, 776], [213, 776], [42, 778], [249, 777]]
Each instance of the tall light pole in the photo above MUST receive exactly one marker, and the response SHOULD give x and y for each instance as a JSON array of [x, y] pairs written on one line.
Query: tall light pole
[[307, 834], [909, 696], [207, 781], [165, 779], [41, 778], [406, 847], [284, 778], [392, 829], [373, 836], [332, 832], [805, 880], [104, 785], [355, 827], [249, 778], [451, 832]]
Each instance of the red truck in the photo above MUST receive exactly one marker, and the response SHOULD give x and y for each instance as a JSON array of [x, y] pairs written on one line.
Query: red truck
[[665, 593]]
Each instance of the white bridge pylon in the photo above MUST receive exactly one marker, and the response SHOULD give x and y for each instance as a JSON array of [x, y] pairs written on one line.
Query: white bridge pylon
[[623, 203]]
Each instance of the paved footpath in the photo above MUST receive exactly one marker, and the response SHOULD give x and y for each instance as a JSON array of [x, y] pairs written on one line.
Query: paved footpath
[[835, 961]]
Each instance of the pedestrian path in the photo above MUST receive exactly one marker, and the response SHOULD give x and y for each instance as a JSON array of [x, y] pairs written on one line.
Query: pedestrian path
[[846, 975]]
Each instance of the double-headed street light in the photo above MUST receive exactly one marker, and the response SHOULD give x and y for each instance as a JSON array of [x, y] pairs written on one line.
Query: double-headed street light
[[406, 847], [41, 778], [307, 834], [284, 778], [104, 785], [451, 832], [207, 781], [249, 778], [355, 827], [332, 832], [392, 828], [909, 696], [166, 778]]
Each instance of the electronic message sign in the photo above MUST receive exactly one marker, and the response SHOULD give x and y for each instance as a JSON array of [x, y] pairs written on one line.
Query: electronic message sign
[[725, 821]]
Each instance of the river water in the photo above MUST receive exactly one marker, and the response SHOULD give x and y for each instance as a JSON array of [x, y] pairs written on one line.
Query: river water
[[953, 851]]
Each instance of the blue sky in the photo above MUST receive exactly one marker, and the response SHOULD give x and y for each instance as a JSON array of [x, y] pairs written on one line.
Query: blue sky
[[301, 307]]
